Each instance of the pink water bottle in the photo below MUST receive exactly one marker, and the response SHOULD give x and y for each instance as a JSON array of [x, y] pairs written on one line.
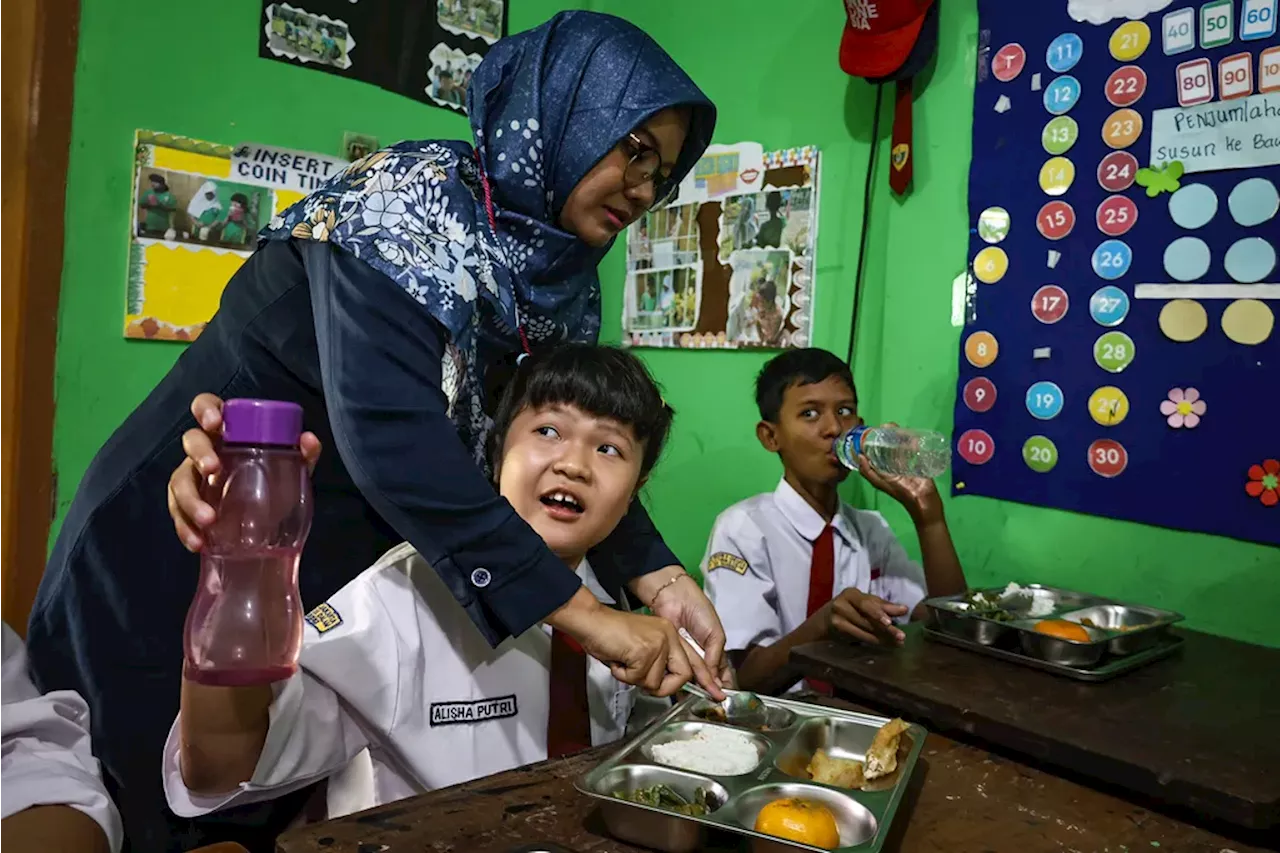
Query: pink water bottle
[[245, 624]]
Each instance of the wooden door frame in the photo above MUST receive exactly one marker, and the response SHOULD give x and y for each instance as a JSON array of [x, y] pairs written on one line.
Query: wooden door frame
[[38, 40]]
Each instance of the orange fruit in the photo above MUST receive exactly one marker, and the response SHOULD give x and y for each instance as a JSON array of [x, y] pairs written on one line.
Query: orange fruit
[[805, 821], [1063, 630]]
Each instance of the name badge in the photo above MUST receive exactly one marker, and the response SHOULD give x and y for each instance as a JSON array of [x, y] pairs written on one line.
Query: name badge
[[477, 711]]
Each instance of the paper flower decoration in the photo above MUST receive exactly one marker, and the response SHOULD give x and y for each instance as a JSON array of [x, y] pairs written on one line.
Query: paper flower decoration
[[1264, 482], [1183, 408]]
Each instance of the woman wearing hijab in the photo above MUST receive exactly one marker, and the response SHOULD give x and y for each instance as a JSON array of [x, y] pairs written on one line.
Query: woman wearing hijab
[[379, 303], [204, 210]]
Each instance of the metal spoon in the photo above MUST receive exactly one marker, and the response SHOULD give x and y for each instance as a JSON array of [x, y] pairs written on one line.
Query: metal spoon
[[740, 706]]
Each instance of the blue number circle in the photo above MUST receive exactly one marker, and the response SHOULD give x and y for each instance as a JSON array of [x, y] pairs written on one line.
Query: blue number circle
[[1109, 306], [1044, 400], [1064, 52], [1112, 259], [1061, 95]]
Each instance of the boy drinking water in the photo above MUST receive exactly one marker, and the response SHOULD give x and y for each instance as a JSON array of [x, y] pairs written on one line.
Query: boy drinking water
[[392, 664], [790, 566]]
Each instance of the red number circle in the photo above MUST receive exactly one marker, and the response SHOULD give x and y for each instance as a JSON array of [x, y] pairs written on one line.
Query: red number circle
[[1126, 85], [1116, 215], [1049, 304], [976, 446], [1108, 458], [979, 394], [1117, 171], [1056, 219], [1008, 61]]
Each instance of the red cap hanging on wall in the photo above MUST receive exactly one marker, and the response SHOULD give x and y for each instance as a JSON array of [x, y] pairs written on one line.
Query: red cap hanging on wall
[[891, 41], [879, 35]]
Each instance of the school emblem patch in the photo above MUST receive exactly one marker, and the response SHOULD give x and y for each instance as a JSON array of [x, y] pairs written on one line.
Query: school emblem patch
[[324, 618], [725, 560], [899, 155]]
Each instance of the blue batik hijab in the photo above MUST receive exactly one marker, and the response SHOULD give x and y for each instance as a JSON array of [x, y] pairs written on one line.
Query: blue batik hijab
[[545, 106]]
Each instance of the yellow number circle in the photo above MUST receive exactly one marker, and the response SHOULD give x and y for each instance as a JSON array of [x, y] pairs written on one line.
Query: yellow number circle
[[1130, 40], [1122, 128], [981, 349], [990, 265], [1108, 405], [1056, 175]]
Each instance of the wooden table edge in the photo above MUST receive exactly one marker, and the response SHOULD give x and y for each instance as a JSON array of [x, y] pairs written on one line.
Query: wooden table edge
[[1039, 747]]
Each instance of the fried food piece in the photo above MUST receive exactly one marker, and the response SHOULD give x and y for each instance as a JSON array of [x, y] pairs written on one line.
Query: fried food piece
[[840, 772], [882, 757]]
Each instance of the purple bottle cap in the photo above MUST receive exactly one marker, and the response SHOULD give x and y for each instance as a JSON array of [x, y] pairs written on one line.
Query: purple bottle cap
[[275, 422]]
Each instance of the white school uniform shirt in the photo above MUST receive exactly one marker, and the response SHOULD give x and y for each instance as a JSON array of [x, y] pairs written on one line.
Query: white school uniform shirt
[[398, 693], [47, 759], [758, 559]]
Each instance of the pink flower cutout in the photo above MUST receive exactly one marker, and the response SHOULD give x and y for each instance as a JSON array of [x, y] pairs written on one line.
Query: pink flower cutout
[[1183, 408]]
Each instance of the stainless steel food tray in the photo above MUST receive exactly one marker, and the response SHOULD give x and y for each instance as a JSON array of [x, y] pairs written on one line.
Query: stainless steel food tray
[[863, 816], [1109, 668], [1115, 629]]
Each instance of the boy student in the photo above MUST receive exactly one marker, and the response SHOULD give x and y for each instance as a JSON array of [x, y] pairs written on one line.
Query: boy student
[[394, 665], [789, 566], [53, 797]]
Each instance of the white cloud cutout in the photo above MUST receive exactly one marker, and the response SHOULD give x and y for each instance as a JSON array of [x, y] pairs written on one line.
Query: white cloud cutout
[[1101, 11]]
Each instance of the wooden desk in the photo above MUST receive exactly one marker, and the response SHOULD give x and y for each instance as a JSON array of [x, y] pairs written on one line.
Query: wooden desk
[[1198, 730], [964, 800]]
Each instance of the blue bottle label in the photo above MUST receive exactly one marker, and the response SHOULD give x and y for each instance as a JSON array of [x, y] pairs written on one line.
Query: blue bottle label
[[849, 445]]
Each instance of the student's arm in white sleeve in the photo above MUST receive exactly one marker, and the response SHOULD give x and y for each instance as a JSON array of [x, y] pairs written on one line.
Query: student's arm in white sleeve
[[740, 583], [232, 746], [53, 798], [309, 736]]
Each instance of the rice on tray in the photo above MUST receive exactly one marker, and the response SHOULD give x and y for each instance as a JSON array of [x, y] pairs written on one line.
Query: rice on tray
[[712, 750]]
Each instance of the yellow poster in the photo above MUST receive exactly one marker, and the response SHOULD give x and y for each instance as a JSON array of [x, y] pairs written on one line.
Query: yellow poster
[[191, 228]]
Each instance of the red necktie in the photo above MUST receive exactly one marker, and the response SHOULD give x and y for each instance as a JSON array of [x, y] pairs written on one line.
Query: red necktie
[[822, 579], [569, 717], [900, 149]]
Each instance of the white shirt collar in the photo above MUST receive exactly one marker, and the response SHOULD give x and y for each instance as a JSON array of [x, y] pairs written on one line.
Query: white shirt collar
[[807, 521]]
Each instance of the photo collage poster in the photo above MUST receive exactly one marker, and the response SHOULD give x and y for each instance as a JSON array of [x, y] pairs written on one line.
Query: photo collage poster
[[423, 50], [194, 221], [729, 263]]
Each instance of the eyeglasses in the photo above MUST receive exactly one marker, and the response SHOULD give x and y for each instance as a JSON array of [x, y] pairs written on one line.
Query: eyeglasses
[[645, 166]]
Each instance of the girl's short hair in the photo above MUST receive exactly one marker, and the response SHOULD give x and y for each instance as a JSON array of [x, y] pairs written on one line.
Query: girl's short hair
[[604, 381]]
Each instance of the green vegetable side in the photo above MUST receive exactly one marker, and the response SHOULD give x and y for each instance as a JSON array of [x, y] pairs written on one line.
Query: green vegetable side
[[663, 797]]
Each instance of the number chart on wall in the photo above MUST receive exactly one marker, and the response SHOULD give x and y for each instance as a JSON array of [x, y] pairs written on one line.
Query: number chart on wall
[[1119, 356]]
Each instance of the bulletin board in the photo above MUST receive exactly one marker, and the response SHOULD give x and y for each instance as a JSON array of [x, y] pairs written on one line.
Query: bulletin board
[[729, 263], [193, 223], [427, 51], [1120, 356]]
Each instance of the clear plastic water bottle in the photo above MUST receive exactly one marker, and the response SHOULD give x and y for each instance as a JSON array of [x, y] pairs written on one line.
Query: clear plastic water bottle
[[244, 625], [896, 450]]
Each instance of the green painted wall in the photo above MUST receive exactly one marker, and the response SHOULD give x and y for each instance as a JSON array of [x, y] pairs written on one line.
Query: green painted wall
[[196, 73], [777, 83]]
